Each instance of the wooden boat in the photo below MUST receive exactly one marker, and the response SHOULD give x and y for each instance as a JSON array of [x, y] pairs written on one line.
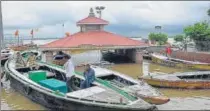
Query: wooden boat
[[19, 48], [187, 80], [59, 61], [138, 88], [23, 47], [178, 63], [35, 52], [100, 96], [5, 55]]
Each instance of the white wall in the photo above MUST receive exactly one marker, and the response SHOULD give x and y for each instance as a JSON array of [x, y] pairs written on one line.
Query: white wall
[[93, 56]]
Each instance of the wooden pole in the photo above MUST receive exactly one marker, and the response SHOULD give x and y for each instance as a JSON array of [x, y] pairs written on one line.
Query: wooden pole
[[18, 40], [1, 38], [32, 38]]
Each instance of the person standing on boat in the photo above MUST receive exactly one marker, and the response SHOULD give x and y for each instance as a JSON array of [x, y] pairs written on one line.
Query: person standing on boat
[[19, 60], [69, 67], [168, 51], [89, 75]]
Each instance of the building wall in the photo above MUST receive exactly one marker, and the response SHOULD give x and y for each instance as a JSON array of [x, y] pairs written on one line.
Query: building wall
[[192, 56], [91, 27]]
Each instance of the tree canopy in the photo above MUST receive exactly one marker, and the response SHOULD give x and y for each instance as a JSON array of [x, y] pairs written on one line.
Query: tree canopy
[[179, 38], [158, 37], [199, 31]]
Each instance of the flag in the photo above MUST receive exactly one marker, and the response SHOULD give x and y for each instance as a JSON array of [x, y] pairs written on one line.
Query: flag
[[16, 33], [32, 32], [67, 34]]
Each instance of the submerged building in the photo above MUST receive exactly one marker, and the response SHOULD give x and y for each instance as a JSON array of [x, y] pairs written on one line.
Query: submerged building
[[92, 36]]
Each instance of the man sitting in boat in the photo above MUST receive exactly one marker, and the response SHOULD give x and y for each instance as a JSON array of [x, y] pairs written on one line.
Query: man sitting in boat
[[69, 67], [19, 60], [89, 75], [31, 62]]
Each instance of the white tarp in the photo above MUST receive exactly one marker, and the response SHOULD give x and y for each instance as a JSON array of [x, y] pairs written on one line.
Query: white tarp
[[86, 92]]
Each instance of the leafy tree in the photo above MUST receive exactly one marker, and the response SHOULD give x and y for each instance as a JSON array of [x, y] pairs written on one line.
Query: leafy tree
[[183, 39], [200, 33], [158, 37], [179, 38], [208, 12]]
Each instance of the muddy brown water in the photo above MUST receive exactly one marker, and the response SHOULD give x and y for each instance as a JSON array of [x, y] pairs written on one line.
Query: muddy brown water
[[12, 100]]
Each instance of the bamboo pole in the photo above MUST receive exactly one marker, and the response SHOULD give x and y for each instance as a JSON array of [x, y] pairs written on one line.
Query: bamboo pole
[[1, 38]]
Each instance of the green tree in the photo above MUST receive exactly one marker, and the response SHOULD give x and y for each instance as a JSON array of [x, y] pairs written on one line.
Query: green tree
[[183, 39], [208, 12], [179, 38], [158, 37], [200, 33]]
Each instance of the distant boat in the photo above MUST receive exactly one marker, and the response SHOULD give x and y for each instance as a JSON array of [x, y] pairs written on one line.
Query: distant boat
[[179, 63], [23, 47], [46, 86], [186, 80]]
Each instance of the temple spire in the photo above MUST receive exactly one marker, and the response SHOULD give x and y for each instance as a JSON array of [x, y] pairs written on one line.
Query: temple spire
[[91, 14]]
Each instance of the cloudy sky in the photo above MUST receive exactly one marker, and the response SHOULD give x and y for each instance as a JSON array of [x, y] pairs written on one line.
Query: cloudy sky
[[128, 18]]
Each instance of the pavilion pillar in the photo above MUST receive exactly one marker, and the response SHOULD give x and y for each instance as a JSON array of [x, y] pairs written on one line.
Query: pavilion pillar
[[49, 56], [138, 56]]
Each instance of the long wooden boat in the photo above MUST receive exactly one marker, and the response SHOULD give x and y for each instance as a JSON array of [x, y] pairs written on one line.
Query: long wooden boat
[[178, 63], [19, 48], [35, 52], [138, 88], [23, 47], [5, 55], [100, 96], [186, 80]]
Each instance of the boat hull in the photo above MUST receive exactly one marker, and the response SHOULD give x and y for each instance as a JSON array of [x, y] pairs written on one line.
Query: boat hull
[[59, 62], [19, 48], [3, 61], [50, 101], [180, 65], [156, 100], [178, 84]]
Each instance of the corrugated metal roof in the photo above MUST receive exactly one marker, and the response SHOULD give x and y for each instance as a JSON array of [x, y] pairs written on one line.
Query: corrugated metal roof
[[95, 38]]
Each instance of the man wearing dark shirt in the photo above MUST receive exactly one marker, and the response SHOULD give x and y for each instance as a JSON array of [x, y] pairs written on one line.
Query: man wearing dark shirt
[[89, 75]]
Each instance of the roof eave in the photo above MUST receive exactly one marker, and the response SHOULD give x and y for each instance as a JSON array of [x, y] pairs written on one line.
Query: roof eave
[[94, 48], [92, 23]]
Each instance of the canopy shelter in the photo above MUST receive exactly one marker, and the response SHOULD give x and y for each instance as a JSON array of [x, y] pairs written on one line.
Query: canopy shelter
[[92, 36]]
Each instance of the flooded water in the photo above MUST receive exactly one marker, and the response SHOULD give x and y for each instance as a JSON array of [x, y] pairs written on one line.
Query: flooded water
[[12, 100]]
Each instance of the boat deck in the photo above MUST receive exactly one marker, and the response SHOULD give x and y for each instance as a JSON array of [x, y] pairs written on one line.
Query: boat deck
[[97, 93]]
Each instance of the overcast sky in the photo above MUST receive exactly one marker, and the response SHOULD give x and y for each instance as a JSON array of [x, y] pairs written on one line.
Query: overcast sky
[[128, 18]]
